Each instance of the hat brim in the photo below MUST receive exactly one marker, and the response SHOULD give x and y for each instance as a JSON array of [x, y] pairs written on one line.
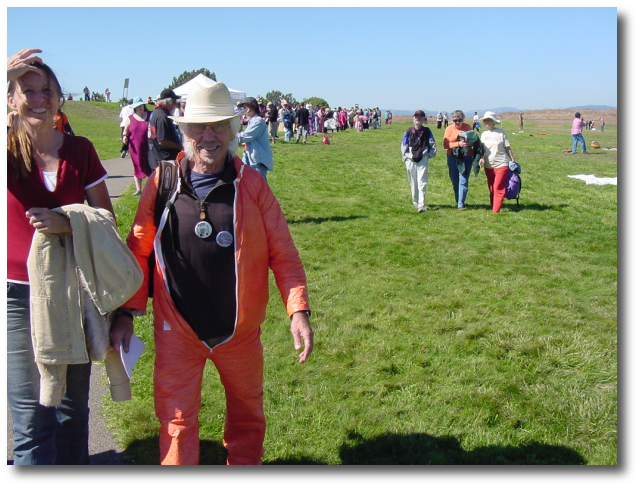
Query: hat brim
[[204, 119]]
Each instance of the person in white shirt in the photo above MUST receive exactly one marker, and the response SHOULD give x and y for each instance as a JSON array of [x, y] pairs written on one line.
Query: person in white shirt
[[476, 121], [124, 115], [497, 154]]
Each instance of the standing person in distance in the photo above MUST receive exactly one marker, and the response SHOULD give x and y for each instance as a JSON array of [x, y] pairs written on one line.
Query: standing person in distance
[[257, 153], [125, 112], [497, 154], [302, 124], [476, 121], [576, 133], [418, 146], [46, 169], [272, 120], [217, 242], [521, 122], [165, 141], [288, 117], [458, 149], [135, 136], [61, 123]]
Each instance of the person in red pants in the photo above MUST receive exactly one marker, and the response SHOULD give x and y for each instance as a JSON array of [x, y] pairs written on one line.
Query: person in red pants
[[497, 154]]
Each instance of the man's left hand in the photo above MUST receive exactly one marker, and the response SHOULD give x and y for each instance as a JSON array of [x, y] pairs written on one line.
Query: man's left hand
[[121, 332], [301, 332]]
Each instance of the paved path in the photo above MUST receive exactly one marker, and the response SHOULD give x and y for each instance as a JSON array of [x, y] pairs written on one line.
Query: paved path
[[102, 448]]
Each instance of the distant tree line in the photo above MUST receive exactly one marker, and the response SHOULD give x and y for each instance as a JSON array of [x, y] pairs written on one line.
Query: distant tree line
[[274, 96]]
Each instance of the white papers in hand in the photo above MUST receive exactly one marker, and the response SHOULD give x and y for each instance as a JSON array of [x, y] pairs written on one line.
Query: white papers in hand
[[130, 358]]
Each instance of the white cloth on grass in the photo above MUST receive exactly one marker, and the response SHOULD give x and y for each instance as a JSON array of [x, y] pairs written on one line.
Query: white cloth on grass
[[593, 180]]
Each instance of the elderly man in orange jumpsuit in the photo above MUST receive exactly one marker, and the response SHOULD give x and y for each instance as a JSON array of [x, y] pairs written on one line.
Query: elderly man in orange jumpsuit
[[214, 243]]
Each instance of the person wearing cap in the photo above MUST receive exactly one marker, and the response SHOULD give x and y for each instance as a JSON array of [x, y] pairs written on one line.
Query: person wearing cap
[[497, 154], [257, 153], [214, 246], [165, 141], [576, 133], [262, 110], [135, 136], [458, 151], [418, 146]]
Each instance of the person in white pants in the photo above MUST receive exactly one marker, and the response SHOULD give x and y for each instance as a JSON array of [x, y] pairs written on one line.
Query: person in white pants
[[418, 146]]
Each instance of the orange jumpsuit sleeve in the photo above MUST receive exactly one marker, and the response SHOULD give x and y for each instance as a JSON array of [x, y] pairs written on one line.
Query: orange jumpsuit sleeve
[[140, 241], [284, 259]]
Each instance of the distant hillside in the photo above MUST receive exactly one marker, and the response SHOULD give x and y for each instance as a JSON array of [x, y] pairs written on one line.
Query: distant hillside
[[548, 117], [564, 116], [592, 107], [506, 110]]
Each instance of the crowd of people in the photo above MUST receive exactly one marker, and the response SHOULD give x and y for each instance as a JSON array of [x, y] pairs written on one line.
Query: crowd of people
[[304, 119]]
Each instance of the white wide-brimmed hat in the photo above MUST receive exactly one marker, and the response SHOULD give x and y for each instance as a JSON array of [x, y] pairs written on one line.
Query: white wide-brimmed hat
[[207, 104], [490, 115]]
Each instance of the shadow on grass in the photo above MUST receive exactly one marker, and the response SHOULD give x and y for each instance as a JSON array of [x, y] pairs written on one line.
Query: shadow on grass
[[320, 220], [147, 452], [421, 449], [386, 450], [513, 207]]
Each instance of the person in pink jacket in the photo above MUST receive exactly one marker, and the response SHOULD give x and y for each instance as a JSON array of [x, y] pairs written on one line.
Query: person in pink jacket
[[214, 247]]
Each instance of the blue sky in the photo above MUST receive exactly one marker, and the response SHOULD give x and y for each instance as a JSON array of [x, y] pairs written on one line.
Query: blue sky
[[397, 58]]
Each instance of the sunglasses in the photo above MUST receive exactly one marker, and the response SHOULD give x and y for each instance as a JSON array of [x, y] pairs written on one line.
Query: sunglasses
[[457, 120], [216, 127]]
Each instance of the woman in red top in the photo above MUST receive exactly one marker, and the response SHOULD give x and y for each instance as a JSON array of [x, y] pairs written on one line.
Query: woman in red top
[[45, 169]]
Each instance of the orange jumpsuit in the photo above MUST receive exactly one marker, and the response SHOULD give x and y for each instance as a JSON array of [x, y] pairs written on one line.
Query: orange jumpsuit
[[262, 241]]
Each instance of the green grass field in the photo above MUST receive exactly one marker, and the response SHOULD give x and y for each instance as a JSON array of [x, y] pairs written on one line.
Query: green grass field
[[444, 337]]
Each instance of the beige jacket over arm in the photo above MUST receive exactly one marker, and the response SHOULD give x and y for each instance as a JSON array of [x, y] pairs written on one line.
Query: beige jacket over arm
[[76, 280]]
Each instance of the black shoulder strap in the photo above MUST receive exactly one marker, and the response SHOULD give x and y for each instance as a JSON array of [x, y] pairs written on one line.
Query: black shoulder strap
[[166, 184], [167, 180]]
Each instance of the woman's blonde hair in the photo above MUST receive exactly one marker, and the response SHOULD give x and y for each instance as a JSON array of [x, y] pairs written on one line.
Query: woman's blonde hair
[[19, 141]]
